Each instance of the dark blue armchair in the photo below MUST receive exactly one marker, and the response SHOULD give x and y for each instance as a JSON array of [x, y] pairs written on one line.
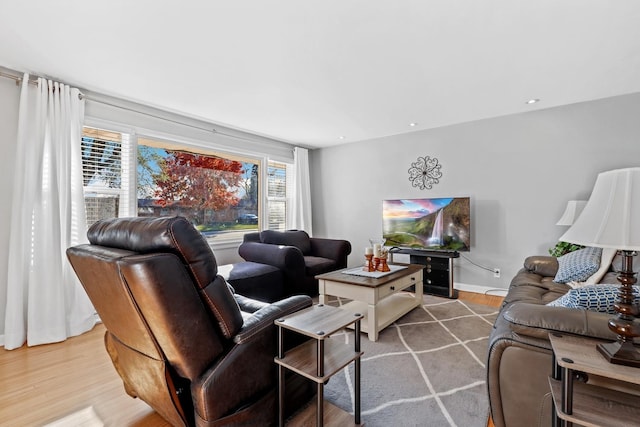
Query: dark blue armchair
[[298, 256]]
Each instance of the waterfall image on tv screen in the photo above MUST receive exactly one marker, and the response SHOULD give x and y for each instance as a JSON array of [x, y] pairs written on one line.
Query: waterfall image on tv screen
[[433, 224]]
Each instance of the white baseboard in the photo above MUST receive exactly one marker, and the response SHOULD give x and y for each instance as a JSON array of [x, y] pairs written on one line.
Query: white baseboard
[[485, 290]]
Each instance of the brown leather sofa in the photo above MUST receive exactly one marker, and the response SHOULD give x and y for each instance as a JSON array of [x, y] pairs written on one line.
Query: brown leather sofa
[[299, 257], [520, 357], [178, 335]]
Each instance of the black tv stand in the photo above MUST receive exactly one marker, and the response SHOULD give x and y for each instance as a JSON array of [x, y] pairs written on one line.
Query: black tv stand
[[437, 276]]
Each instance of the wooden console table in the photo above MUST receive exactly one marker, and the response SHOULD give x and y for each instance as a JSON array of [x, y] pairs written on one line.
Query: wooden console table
[[382, 300]]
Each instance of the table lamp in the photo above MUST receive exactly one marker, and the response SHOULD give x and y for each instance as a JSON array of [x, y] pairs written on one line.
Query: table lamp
[[611, 219]]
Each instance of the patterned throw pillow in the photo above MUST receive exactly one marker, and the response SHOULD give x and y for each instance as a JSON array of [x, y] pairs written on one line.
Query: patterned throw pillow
[[579, 265], [599, 298]]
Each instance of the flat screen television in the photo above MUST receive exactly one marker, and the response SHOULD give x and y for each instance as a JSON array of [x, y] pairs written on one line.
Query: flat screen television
[[427, 224]]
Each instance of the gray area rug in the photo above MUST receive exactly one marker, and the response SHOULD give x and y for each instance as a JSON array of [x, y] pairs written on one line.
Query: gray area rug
[[426, 369]]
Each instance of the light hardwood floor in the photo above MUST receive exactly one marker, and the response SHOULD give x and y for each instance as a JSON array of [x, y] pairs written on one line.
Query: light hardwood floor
[[45, 383]]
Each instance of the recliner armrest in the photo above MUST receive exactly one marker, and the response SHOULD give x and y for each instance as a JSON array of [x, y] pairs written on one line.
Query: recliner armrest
[[538, 320], [249, 305], [247, 368], [264, 317]]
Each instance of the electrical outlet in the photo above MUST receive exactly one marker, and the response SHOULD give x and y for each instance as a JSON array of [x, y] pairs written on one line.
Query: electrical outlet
[[496, 272]]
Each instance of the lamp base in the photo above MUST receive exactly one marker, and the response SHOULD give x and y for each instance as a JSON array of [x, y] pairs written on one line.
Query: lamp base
[[621, 353]]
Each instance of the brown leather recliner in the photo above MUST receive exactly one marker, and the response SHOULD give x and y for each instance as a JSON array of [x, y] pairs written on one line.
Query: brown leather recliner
[[178, 336]]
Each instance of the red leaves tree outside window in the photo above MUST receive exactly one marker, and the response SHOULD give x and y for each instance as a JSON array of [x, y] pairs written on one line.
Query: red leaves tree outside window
[[198, 182]]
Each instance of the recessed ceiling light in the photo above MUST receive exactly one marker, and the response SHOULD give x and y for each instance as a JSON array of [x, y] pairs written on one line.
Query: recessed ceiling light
[[341, 137], [413, 124], [533, 101]]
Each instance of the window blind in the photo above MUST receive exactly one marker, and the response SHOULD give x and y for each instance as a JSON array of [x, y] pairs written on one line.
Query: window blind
[[277, 195], [102, 172]]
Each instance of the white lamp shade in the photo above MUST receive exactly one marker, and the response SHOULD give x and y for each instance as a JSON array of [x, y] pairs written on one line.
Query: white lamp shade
[[611, 217], [572, 212]]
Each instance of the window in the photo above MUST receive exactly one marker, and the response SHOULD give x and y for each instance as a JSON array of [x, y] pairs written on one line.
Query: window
[[219, 193], [277, 195], [104, 173]]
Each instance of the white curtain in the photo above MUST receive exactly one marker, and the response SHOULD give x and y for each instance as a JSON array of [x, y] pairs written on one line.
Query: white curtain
[[45, 301], [301, 212]]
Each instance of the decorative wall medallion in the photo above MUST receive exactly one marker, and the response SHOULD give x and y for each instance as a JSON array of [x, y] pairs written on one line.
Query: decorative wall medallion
[[425, 172]]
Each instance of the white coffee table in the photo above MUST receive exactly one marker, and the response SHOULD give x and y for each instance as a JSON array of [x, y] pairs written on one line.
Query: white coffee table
[[382, 300]]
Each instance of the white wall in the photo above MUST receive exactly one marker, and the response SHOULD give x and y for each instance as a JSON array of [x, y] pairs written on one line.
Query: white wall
[[519, 171], [9, 102]]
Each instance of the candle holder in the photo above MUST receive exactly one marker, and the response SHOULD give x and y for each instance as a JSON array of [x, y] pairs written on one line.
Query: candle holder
[[382, 264], [369, 264]]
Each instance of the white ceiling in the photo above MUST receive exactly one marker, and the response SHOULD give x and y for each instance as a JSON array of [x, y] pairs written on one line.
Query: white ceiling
[[311, 71]]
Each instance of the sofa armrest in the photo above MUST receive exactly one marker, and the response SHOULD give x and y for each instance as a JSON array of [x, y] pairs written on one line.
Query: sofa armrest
[[538, 320], [264, 317], [334, 249], [251, 237], [542, 265], [284, 257]]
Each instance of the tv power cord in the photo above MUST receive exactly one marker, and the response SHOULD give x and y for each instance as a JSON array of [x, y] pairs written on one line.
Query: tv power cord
[[493, 270]]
